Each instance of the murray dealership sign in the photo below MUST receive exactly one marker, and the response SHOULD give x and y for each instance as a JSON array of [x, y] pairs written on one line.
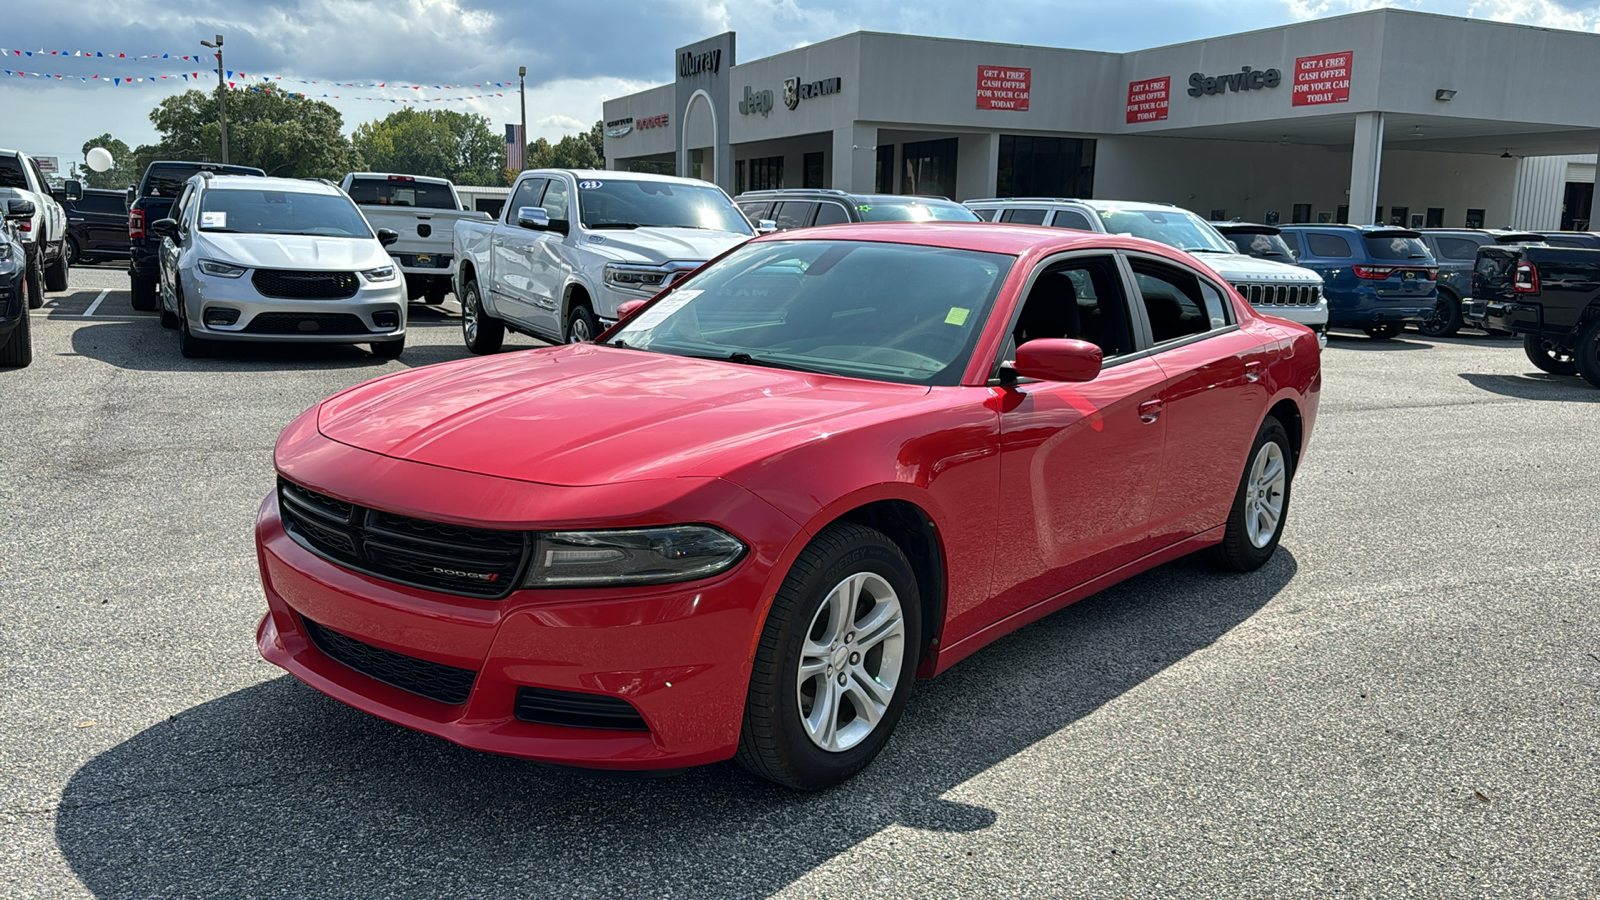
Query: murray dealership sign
[[1246, 79]]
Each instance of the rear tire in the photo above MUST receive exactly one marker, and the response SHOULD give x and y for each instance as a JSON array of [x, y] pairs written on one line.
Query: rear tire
[[1261, 505], [1446, 318], [389, 349], [17, 352], [482, 332], [145, 296], [34, 278], [1382, 332], [55, 274], [848, 609], [1547, 358], [1587, 353]]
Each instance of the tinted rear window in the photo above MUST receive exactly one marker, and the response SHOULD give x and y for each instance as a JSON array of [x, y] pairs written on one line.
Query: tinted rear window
[[1457, 248], [167, 181], [418, 194], [1396, 247]]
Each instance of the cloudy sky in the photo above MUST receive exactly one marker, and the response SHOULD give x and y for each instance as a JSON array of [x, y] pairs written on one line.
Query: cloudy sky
[[577, 53]]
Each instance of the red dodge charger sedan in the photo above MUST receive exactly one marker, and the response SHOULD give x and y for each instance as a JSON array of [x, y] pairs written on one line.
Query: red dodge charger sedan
[[747, 517]]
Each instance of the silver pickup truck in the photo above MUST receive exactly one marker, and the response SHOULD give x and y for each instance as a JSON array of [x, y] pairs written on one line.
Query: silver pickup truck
[[424, 212], [573, 245]]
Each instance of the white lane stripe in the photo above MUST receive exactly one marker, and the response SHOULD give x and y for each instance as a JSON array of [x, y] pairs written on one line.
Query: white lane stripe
[[96, 304]]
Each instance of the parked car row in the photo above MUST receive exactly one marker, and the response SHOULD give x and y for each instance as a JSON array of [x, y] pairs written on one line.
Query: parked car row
[[43, 232]]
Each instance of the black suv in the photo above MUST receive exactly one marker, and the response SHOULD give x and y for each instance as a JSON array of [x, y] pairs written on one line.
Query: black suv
[[151, 201], [97, 224], [804, 207]]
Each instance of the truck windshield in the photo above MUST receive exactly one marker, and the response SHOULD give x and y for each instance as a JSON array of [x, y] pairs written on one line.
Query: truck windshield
[[281, 212], [632, 203], [397, 192], [1173, 227]]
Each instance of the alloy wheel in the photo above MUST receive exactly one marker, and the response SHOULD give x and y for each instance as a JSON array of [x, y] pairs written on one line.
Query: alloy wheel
[[850, 662], [469, 317], [578, 332], [1263, 501]]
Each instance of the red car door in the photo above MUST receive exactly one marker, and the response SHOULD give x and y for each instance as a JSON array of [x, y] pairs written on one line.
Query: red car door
[[1078, 462], [1211, 396]]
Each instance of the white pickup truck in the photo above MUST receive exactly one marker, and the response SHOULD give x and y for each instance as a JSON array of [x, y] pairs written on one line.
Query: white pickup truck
[[424, 212], [573, 245], [43, 234]]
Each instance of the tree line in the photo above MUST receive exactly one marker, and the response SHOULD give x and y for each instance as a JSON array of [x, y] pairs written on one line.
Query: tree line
[[298, 137]]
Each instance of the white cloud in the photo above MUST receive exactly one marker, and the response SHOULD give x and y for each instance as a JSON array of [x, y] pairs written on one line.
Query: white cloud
[[1544, 13]]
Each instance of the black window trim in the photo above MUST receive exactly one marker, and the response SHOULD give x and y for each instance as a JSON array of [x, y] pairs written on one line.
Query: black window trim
[[1148, 336], [1138, 326]]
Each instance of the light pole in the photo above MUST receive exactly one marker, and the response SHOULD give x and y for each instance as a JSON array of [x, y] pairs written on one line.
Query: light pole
[[222, 106], [522, 92]]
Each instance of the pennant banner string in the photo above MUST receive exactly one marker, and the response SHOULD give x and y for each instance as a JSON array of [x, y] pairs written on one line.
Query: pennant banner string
[[233, 74]]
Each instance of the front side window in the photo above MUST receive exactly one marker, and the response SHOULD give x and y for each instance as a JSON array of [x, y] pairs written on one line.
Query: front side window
[[1081, 299], [889, 312], [831, 214], [1071, 218], [1025, 216], [1173, 301], [257, 211], [792, 214], [527, 194], [634, 203], [555, 200]]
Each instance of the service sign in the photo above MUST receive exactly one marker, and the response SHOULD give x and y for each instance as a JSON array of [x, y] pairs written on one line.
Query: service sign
[[1004, 88], [1322, 79], [1147, 100]]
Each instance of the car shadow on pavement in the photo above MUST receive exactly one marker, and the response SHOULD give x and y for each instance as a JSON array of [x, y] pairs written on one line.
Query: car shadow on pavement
[[1535, 386], [145, 346], [1362, 342], [277, 791]]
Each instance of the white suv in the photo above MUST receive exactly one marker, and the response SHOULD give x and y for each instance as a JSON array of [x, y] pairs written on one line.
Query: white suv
[[1276, 289]]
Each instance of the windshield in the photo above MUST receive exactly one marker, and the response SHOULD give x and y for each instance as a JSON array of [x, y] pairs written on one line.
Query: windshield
[[401, 192], [890, 312], [1396, 246], [1261, 246], [630, 203], [281, 212], [913, 210], [1173, 227]]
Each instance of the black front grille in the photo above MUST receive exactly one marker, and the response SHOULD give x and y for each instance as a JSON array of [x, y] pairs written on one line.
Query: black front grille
[[436, 681], [291, 285], [474, 562], [307, 323], [574, 710], [1280, 295]]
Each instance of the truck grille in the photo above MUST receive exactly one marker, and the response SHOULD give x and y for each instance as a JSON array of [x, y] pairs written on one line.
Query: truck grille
[[287, 284], [1280, 294], [451, 559], [436, 681]]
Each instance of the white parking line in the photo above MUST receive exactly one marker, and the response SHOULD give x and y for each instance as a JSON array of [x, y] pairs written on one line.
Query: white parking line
[[96, 304]]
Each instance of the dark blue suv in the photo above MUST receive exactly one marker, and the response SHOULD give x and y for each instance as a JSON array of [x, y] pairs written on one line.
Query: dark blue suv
[[1376, 279]]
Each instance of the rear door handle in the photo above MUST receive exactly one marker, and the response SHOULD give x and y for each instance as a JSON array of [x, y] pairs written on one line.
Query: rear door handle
[[1149, 411], [1252, 370]]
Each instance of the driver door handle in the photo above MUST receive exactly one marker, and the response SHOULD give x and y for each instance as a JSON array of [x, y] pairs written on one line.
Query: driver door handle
[[1149, 411]]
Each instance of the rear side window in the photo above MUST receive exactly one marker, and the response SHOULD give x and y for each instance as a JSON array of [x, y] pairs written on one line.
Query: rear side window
[[1457, 248], [1173, 301], [1025, 216], [831, 214], [396, 192], [1066, 218], [1328, 246], [756, 211], [1292, 240], [104, 205], [1396, 247], [793, 214]]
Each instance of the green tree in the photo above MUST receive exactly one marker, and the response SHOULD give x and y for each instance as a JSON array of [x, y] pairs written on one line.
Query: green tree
[[281, 133], [440, 143], [574, 151], [118, 176]]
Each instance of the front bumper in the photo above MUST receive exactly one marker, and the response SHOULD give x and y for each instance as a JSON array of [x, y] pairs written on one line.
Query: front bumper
[[376, 314]]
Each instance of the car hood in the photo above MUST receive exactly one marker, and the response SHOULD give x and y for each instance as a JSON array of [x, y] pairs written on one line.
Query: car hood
[[292, 251], [659, 245], [583, 414], [1236, 265]]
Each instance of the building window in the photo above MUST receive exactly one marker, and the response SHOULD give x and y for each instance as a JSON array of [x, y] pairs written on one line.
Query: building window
[[813, 170], [883, 180], [1435, 217], [930, 168], [738, 177], [1045, 167], [1301, 213], [1342, 216], [1398, 215], [766, 174], [1575, 208], [1474, 218]]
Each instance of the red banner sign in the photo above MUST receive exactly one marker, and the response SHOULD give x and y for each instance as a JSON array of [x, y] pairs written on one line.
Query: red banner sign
[[1003, 88], [1147, 100], [1322, 79]]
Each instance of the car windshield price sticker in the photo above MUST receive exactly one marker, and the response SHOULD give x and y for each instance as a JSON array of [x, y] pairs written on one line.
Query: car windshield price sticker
[[1147, 100], [213, 220], [1322, 79], [664, 307], [589, 185], [1003, 88]]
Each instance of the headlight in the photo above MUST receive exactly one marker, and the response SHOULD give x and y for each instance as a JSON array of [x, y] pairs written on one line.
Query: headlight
[[382, 273], [636, 279], [221, 269], [631, 556]]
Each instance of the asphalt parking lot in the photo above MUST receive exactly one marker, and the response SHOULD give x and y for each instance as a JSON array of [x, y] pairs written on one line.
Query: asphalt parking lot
[[1404, 702]]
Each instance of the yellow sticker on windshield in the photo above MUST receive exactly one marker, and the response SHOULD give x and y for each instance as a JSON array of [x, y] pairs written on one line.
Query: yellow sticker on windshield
[[958, 316]]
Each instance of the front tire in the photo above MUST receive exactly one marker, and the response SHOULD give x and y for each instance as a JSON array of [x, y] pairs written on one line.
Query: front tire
[[482, 332], [1446, 318], [1587, 353], [1382, 332], [190, 346], [17, 351], [435, 295], [389, 349], [1547, 358], [34, 278], [835, 663], [1261, 505], [55, 274], [582, 326], [74, 254]]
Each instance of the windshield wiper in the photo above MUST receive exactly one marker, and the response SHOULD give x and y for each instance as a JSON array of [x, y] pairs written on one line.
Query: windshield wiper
[[1206, 250], [615, 225], [746, 359]]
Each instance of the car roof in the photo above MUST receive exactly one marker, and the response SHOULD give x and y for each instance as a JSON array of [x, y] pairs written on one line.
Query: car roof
[[988, 237], [829, 193], [268, 183], [618, 175], [1245, 228], [425, 179]]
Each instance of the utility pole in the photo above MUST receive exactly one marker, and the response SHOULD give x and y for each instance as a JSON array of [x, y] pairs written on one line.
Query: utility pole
[[522, 92], [222, 106]]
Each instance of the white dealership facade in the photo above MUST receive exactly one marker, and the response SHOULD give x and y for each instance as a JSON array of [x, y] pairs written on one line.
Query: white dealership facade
[[1387, 115]]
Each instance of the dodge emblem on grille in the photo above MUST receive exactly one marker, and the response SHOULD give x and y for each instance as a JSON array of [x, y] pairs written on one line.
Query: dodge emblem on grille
[[475, 576]]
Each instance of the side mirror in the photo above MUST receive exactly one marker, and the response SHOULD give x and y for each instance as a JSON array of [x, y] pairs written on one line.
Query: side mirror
[[165, 228], [533, 217], [74, 190], [626, 310], [766, 226], [1058, 359], [387, 236], [19, 209]]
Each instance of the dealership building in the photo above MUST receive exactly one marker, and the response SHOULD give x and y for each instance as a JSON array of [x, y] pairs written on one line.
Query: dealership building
[[1386, 116]]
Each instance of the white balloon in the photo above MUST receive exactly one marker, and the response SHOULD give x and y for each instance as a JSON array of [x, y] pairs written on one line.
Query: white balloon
[[99, 159]]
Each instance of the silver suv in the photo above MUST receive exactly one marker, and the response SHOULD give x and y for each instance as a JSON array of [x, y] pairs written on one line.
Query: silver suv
[[1276, 289], [276, 259]]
